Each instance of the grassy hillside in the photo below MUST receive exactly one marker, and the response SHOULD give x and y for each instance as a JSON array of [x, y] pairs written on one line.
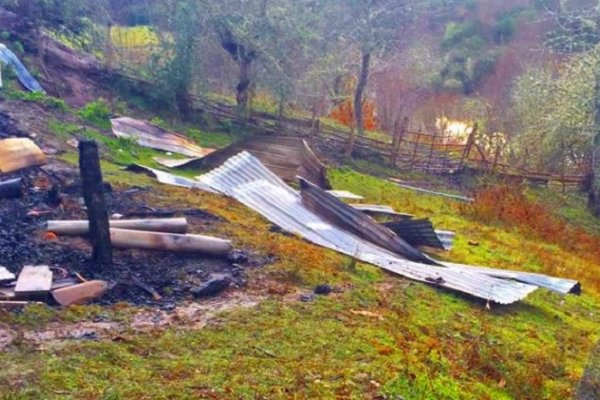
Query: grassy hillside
[[381, 336]]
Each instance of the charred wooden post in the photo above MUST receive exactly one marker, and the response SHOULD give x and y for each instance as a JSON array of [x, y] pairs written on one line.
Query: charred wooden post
[[93, 194], [10, 189]]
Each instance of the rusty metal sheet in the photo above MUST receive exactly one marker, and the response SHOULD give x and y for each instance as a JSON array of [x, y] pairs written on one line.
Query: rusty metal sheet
[[244, 178], [19, 153], [420, 232], [155, 137], [348, 218], [286, 156]]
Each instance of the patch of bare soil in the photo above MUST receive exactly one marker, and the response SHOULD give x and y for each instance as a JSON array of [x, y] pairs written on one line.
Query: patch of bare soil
[[185, 316], [23, 241]]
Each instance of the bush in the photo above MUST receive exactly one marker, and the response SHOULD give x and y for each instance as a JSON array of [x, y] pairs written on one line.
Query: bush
[[18, 48], [96, 113], [38, 97]]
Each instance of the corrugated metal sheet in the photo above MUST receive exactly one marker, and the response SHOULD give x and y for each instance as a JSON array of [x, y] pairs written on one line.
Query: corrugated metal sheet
[[378, 209], [169, 179], [420, 232], [19, 153], [286, 156], [348, 218], [155, 137], [244, 178], [23, 75]]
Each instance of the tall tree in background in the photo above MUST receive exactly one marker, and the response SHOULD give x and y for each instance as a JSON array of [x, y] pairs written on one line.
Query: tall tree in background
[[579, 33], [181, 25], [374, 27], [241, 28]]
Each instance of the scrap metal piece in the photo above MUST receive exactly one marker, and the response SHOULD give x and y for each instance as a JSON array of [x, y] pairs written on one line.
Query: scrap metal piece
[[344, 194], [19, 153], [341, 214], [432, 192], [155, 137], [23, 75], [420, 232], [286, 156], [378, 209], [244, 178], [169, 179], [173, 162], [559, 285], [6, 275]]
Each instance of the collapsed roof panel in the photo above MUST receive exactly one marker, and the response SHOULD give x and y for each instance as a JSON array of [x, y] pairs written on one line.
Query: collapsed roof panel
[[19, 153], [23, 75], [345, 216], [244, 178], [286, 156], [420, 232], [155, 137]]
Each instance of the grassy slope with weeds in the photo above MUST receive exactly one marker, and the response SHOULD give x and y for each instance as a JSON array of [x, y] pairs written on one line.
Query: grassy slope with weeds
[[382, 336]]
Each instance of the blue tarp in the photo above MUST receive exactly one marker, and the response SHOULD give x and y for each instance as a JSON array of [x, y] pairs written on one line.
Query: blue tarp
[[26, 79]]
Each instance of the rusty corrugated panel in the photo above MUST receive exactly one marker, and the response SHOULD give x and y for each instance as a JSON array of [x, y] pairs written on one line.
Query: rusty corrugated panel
[[352, 220], [155, 137], [420, 232], [19, 153], [244, 178], [286, 156]]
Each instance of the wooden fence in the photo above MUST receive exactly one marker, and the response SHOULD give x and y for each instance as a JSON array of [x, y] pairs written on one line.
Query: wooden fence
[[406, 149]]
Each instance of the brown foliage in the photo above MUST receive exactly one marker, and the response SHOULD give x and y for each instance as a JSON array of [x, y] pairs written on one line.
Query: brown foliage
[[344, 114], [511, 207]]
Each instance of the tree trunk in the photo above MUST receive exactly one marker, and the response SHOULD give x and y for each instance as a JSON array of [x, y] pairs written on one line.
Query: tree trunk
[[359, 95], [244, 87], [93, 194], [594, 189]]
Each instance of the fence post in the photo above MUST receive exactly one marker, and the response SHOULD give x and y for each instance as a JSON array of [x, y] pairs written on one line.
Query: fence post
[[431, 150], [397, 139], [470, 141], [412, 162], [314, 132]]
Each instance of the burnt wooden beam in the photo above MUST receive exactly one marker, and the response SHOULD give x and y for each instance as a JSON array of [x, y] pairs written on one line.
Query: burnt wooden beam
[[10, 189], [93, 195]]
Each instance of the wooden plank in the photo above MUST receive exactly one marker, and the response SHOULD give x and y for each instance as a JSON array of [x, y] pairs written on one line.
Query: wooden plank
[[34, 281], [80, 293]]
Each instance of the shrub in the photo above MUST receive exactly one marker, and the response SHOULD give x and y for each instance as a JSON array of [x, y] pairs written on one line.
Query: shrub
[[96, 113]]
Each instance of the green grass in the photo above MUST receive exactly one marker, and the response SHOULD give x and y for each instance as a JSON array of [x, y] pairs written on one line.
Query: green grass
[[383, 336]]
